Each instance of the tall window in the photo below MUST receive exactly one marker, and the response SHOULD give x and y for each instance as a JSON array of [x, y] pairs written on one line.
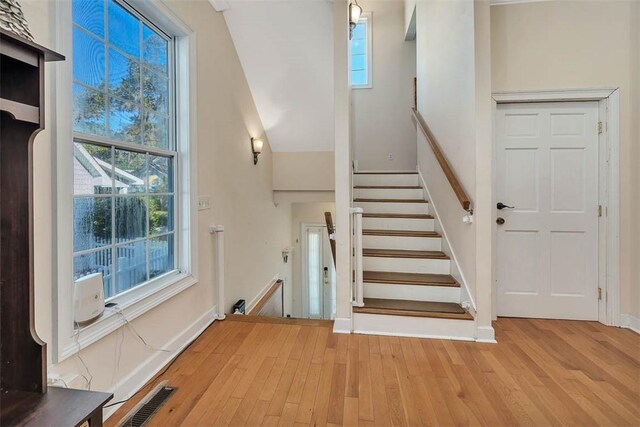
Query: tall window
[[124, 146], [360, 50]]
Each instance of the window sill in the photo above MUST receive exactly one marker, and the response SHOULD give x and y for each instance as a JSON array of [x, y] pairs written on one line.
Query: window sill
[[152, 295], [362, 87]]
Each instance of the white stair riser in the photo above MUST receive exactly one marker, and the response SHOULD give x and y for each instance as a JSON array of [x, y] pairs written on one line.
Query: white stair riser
[[407, 326], [412, 292], [387, 207], [398, 224], [385, 179], [387, 193], [406, 265], [409, 243]]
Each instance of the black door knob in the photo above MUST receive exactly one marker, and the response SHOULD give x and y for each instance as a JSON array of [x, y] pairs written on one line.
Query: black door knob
[[501, 206], [500, 221]]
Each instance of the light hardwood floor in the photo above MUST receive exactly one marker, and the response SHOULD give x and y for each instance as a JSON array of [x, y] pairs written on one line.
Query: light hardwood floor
[[542, 372]]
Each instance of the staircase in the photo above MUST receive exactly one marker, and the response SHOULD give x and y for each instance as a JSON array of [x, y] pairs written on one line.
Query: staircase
[[408, 286]]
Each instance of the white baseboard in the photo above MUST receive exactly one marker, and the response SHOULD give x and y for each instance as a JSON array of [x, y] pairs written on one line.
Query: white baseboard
[[486, 334], [342, 325], [629, 321], [262, 293], [418, 327], [157, 361], [403, 171]]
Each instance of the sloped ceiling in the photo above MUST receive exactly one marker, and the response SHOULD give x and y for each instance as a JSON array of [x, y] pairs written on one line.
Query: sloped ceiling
[[286, 51]]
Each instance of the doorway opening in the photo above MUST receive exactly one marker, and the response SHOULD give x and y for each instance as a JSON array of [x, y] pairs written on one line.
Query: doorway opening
[[318, 278]]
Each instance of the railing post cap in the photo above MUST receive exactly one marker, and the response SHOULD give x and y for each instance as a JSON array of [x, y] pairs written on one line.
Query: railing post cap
[[357, 210]]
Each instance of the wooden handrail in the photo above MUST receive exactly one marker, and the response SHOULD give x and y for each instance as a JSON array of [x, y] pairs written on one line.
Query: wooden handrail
[[271, 304], [442, 160], [331, 231]]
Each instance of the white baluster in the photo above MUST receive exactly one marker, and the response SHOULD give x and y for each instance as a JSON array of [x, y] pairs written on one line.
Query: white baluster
[[359, 293]]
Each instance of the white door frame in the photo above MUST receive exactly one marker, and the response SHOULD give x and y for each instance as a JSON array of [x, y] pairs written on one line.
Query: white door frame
[[609, 193]]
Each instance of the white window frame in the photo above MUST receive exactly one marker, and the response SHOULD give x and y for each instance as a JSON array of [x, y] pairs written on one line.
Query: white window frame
[[66, 339], [368, 18]]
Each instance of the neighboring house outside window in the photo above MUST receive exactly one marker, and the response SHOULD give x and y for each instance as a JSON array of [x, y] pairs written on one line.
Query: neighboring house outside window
[[124, 147], [360, 51]]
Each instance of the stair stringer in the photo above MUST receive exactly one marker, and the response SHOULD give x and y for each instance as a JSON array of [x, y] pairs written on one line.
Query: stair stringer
[[466, 299]]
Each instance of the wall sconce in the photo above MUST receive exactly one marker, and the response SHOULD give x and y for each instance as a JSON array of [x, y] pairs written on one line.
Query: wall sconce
[[354, 15], [256, 148]]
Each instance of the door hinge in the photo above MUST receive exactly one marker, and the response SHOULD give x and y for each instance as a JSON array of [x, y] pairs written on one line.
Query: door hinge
[[599, 211], [599, 294], [600, 127]]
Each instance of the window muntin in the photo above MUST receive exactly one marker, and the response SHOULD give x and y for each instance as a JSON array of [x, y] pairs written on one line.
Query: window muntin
[[124, 149], [360, 54]]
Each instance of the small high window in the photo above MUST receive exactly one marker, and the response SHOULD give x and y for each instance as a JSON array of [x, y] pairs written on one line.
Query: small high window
[[360, 51]]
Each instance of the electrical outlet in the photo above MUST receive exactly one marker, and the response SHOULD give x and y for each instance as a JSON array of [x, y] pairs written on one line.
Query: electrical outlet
[[204, 203], [390, 156]]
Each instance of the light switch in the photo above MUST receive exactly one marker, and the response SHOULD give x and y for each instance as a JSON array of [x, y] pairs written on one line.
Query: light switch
[[204, 203]]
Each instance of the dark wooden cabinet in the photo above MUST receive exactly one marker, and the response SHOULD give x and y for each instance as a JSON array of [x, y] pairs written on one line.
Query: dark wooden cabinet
[[24, 398]]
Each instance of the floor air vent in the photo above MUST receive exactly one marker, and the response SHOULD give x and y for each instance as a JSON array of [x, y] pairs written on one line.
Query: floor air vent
[[142, 413]]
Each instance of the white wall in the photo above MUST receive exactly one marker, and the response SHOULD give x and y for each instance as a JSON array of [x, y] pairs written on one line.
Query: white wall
[[381, 115], [409, 12], [241, 196], [304, 171], [286, 51], [559, 45], [309, 213], [447, 99]]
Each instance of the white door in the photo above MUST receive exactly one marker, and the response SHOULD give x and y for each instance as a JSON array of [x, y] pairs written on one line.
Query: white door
[[319, 275], [547, 246]]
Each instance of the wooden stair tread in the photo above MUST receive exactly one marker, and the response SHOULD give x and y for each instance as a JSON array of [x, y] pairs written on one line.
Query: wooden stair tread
[[399, 233], [397, 216], [403, 253], [390, 200], [394, 307], [386, 173], [417, 279], [387, 187]]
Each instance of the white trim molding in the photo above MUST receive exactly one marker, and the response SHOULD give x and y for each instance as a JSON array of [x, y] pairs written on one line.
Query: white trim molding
[[609, 253], [629, 321], [67, 340], [505, 2], [486, 334], [342, 325], [560, 95]]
